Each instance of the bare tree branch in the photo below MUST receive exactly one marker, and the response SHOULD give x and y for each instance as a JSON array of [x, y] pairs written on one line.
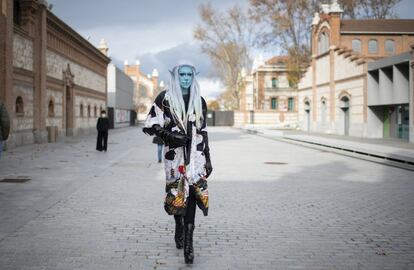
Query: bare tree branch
[[226, 37]]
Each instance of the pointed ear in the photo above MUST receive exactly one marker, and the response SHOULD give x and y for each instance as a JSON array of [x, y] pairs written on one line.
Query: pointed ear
[[171, 72], [198, 72]]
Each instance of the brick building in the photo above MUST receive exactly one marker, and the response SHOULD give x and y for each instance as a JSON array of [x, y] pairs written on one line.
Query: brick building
[[333, 94], [146, 87], [267, 98], [51, 78]]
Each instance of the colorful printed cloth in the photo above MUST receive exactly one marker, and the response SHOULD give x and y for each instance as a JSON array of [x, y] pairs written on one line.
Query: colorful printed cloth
[[178, 176]]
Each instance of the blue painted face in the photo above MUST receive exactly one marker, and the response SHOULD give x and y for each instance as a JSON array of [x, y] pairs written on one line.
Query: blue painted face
[[185, 75]]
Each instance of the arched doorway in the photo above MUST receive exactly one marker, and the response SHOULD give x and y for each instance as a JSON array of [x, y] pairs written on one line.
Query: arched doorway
[[307, 115], [68, 101], [345, 109]]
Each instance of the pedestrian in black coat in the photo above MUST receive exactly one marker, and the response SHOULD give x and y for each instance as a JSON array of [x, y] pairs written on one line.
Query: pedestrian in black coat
[[4, 126], [102, 126]]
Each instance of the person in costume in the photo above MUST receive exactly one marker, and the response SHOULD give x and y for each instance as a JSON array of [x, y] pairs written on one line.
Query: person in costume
[[178, 117]]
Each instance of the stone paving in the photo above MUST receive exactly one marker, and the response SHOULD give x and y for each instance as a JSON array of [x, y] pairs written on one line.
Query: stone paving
[[273, 205]]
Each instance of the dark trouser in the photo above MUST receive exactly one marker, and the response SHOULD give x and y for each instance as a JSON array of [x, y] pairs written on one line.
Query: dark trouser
[[102, 138], [191, 208]]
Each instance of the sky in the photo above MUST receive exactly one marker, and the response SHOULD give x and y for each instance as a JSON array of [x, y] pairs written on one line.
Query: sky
[[156, 32]]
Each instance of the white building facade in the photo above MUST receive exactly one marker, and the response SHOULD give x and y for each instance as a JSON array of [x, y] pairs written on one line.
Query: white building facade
[[120, 97]]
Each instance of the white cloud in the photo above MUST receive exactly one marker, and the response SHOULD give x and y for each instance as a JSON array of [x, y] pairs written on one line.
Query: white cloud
[[128, 41], [210, 88]]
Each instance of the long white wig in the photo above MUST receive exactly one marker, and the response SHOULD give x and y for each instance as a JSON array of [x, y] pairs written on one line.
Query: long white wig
[[175, 97]]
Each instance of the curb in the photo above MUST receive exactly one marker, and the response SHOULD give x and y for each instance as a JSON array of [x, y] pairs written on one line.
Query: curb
[[398, 161]]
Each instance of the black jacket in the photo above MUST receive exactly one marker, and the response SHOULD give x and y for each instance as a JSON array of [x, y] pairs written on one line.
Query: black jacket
[[4, 123], [103, 124]]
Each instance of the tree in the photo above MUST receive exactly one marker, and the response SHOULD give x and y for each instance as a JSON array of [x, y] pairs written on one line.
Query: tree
[[287, 24], [227, 101], [376, 9], [226, 37], [213, 105], [369, 9]]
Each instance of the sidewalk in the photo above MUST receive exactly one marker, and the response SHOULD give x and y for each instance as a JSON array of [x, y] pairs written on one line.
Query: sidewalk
[[273, 205], [388, 151]]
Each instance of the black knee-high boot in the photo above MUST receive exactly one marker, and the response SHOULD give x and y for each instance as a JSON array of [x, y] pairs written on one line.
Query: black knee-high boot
[[179, 231], [188, 243]]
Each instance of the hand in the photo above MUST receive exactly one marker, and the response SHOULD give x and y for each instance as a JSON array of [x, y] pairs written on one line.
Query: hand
[[173, 139], [177, 139], [208, 166]]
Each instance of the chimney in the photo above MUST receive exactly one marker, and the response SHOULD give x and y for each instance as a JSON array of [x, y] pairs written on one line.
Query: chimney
[[126, 67], [162, 84], [335, 12], [103, 47], [155, 80], [137, 66]]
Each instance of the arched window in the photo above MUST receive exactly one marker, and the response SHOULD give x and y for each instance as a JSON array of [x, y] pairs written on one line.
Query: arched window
[[356, 45], [19, 106], [81, 110], [344, 102], [389, 46], [51, 109], [323, 42], [372, 46], [95, 113], [89, 110]]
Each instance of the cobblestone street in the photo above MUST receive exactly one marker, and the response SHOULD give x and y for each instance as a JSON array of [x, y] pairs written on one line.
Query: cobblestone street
[[273, 205]]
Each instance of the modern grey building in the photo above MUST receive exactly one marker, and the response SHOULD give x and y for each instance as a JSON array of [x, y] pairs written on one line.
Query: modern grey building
[[120, 98], [389, 93]]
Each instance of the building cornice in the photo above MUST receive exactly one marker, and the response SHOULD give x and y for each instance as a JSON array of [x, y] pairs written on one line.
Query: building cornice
[[22, 32], [61, 27], [82, 91]]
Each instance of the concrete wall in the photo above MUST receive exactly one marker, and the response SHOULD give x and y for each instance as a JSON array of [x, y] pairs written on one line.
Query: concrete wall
[[389, 83], [345, 68], [322, 70], [306, 80], [336, 75], [120, 95], [123, 87], [85, 123]]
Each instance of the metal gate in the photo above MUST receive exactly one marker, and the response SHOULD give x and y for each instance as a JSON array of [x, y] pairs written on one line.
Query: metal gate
[[132, 118], [111, 117], [220, 118]]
